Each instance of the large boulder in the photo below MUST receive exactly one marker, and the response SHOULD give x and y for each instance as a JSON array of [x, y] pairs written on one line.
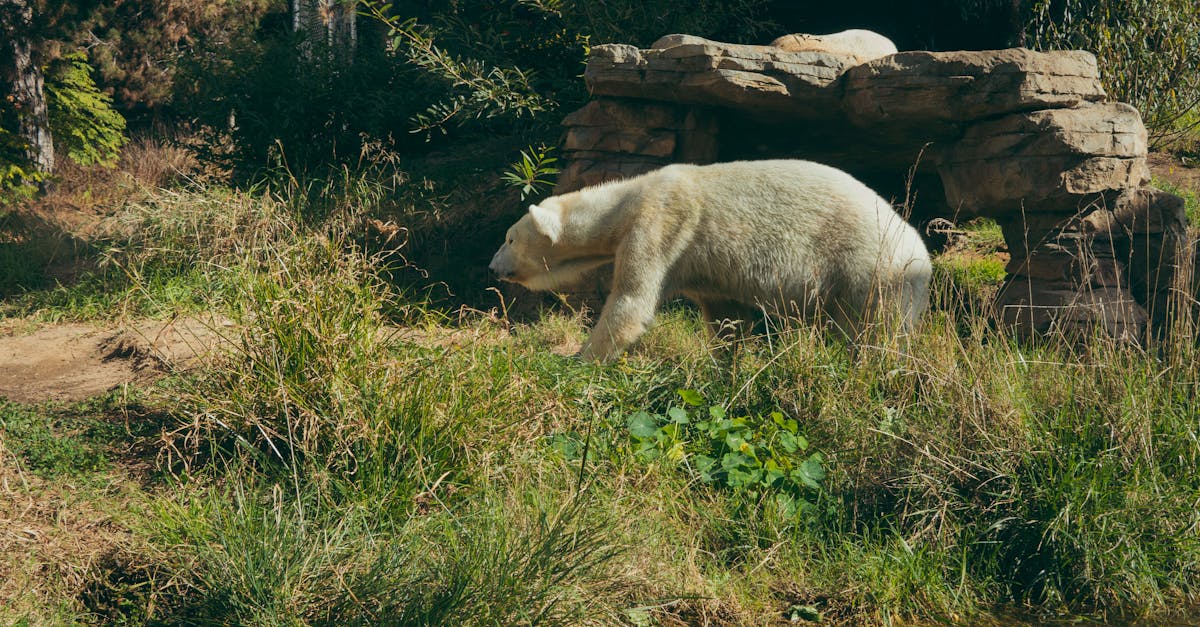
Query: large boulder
[[1045, 160], [936, 93], [692, 70]]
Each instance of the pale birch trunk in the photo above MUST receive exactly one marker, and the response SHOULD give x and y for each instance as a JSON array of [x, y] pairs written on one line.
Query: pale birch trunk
[[24, 78]]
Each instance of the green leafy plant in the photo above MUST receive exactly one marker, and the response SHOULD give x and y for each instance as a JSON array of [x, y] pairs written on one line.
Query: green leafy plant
[[751, 454], [476, 89], [532, 173], [82, 117], [15, 170]]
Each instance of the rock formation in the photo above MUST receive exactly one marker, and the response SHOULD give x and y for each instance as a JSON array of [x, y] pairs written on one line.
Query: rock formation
[[1027, 138]]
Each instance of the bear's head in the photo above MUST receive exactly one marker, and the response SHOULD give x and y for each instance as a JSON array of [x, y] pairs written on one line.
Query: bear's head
[[537, 255]]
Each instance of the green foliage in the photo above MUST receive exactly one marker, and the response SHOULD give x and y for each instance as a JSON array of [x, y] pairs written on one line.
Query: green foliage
[[972, 274], [83, 123], [57, 440], [754, 455], [1147, 51], [15, 173], [475, 88], [640, 23], [82, 120], [136, 45], [45, 444], [423, 75], [264, 106], [532, 172], [1191, 199]]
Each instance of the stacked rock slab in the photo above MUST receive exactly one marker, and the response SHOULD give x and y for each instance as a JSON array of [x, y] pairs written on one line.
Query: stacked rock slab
[[1027, 138]]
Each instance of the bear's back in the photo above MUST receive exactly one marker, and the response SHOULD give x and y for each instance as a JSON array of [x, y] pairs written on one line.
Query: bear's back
[[757, 228]]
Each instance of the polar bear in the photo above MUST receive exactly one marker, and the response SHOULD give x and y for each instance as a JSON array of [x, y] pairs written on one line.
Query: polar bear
[[784, 236], [862, 45]]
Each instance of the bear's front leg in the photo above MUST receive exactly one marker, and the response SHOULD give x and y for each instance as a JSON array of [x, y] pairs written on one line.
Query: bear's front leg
[[624, 319], [638, 279]]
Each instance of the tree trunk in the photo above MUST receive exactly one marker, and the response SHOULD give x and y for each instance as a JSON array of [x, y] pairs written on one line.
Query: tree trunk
[[333, 21], [24, 78]]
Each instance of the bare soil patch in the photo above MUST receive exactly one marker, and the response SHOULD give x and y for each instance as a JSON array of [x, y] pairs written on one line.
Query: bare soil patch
[[1181, 171], [73, 362]]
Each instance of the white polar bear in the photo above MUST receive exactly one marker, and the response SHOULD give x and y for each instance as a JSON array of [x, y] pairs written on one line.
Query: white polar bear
[[784, 236], [862, 45]]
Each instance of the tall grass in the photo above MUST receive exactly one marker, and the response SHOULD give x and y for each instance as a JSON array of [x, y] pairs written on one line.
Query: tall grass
[[356, 459]]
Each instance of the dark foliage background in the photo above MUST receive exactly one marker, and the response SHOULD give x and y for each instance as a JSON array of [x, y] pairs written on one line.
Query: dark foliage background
[[229, 69]]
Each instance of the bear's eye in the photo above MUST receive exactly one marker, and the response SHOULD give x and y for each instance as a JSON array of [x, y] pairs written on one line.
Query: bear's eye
[[509, 241]]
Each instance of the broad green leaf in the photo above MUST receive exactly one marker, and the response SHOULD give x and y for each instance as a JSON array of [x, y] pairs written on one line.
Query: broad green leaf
[[786, 504], [691, 397], [737, 478], [808, 613], [649, 452], [732, 461], [810, 473], [643, 426], [569, 446], [678, 415]]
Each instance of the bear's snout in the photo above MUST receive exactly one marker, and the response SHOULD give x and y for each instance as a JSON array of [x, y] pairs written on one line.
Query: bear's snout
[[501, 267]]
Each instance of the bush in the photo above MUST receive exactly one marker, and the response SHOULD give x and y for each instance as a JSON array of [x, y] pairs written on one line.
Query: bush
[[82, 119], [1148, 51], [278, 106]]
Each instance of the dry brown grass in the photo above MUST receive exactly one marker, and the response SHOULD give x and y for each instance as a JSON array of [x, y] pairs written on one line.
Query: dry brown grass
[[54, 535]]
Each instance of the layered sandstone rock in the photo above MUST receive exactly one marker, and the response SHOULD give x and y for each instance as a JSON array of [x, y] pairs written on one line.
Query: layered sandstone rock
[[945, 90], [1045, 160], [1027, 138], [695, 71]]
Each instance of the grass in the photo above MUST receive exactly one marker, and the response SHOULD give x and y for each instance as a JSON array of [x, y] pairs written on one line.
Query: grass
[[1191, 199], [357, 458]]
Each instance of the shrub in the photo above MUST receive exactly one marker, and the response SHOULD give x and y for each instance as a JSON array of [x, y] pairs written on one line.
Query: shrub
[[1148, 51], [82, 119], [753, 455], [83, 123]]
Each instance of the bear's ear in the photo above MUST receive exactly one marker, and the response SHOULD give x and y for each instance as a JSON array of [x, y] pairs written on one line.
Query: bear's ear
[[547, 221]]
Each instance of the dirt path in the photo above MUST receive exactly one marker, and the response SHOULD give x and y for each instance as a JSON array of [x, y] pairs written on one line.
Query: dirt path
[[73, 362]]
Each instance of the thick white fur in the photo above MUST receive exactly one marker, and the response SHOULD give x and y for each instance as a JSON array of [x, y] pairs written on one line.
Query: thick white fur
[[863, 45], [786, 236]]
